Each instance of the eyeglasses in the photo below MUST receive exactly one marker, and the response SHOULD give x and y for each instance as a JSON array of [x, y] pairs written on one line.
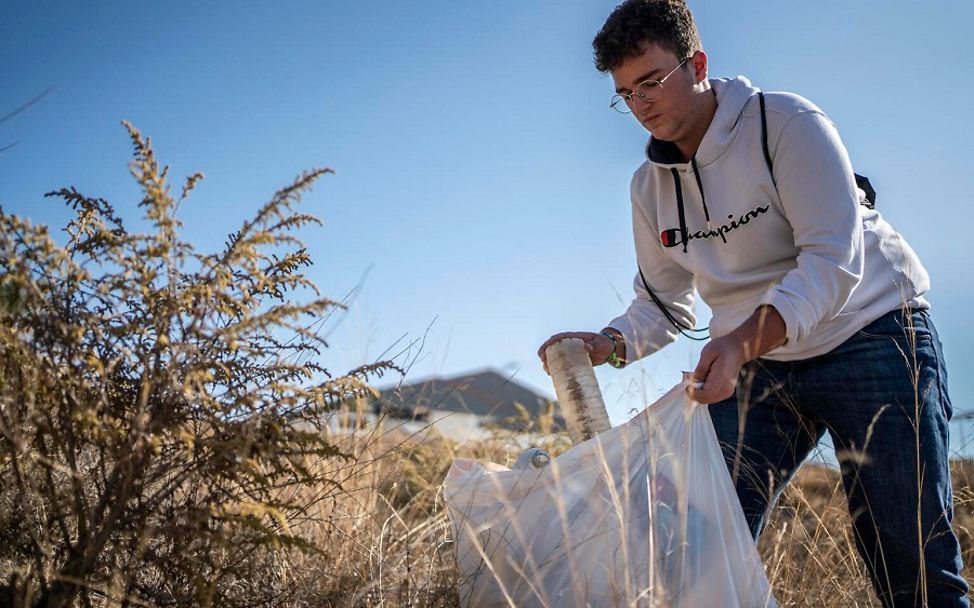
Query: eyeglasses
[[647, 90]]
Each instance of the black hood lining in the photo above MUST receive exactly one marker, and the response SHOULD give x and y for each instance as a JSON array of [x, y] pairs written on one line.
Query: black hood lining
[[664, 152]]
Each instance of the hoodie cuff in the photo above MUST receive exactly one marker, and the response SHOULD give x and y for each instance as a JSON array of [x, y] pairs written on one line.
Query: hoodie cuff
[[787, 312], [639, 342]]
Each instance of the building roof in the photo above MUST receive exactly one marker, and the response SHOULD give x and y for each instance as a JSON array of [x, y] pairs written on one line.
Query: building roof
[[485, 393]]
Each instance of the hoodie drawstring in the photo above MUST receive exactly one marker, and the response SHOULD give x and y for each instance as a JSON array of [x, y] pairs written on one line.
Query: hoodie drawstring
[[703, 197], [678, 186], [684, 233]]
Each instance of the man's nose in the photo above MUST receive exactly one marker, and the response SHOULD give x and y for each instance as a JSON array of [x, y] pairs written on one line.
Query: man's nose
[[640, 98], [640, 104]]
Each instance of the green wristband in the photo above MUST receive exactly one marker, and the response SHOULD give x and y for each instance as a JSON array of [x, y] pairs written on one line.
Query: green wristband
[[614, 360]]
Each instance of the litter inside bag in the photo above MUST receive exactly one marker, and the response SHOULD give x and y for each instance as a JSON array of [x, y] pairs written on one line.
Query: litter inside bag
[[643, 514]]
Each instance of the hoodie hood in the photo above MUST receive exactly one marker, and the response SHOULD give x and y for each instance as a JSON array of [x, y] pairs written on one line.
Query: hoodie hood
[[732, 96]]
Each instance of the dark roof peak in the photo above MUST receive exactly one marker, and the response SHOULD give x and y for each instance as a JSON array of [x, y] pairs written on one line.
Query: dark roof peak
[[486, 392]]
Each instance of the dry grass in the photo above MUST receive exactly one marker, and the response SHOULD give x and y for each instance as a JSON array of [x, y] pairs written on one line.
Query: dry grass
[[808, 548], [388, 541]]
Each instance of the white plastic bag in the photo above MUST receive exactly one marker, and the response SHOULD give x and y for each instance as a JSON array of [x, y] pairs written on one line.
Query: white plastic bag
[[643, 514]]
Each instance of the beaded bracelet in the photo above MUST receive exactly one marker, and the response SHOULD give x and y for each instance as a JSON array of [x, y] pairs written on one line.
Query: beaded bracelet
[[614, 360]]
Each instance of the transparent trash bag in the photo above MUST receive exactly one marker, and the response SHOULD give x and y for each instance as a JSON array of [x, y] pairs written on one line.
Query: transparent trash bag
[[643, 514]]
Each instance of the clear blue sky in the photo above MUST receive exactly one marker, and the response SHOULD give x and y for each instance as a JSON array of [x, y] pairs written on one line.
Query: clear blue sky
[[482, 181]]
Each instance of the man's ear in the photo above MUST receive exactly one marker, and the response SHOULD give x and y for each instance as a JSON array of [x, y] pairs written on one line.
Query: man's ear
[[698, 63]]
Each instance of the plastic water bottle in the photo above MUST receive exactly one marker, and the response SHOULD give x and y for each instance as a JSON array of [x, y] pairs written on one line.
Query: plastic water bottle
[[532, 458], [577, 389]]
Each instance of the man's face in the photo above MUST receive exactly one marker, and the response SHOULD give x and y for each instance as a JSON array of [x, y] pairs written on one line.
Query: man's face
[[668, 115]]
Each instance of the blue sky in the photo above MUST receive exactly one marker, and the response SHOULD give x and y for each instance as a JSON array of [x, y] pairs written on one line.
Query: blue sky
[[481, 191]]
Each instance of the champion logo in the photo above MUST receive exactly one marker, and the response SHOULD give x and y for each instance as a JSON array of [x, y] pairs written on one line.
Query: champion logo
[[671, 237]]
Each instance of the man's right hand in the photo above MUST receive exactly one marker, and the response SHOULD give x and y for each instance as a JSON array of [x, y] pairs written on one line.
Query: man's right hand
[[598, 346]]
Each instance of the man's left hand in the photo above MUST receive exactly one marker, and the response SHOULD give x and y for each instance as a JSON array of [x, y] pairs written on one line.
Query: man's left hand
[[720, 364], [721, 360]]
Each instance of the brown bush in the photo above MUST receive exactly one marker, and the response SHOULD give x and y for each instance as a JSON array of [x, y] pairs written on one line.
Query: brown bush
[[160, 406]]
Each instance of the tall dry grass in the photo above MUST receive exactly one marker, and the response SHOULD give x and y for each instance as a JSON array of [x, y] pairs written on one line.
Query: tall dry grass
[[388, 542]]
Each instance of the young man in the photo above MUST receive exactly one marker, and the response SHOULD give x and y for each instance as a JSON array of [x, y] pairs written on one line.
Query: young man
[[819, 322]]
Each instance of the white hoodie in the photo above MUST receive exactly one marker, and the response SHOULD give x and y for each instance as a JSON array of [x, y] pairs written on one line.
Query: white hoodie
[[828, 264]]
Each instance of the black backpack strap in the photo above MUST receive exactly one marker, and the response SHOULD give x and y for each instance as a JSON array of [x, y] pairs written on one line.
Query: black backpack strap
[[861, 181], [764, 139], [681, 327]]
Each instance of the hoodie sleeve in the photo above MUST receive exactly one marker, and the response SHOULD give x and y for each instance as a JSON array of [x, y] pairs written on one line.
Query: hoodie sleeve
[[821, 202], [643, 326]]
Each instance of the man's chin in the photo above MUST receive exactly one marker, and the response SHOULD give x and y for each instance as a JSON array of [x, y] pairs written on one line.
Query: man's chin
[[659, 131]]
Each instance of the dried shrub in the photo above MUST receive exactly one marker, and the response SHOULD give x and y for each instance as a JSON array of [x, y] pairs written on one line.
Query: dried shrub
[[160, 407]]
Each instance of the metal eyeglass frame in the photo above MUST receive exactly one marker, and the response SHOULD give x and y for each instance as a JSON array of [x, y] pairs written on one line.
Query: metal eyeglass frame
[[622, 102]]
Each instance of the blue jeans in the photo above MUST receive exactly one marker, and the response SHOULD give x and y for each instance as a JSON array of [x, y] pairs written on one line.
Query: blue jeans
[[882, 397]]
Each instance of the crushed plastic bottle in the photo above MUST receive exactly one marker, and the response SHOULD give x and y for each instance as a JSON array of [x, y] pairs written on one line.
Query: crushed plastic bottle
[[532, 458], [577, 389]]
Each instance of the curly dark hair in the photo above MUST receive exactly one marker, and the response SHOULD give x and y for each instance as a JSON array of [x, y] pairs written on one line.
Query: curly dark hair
[[667, 23]]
